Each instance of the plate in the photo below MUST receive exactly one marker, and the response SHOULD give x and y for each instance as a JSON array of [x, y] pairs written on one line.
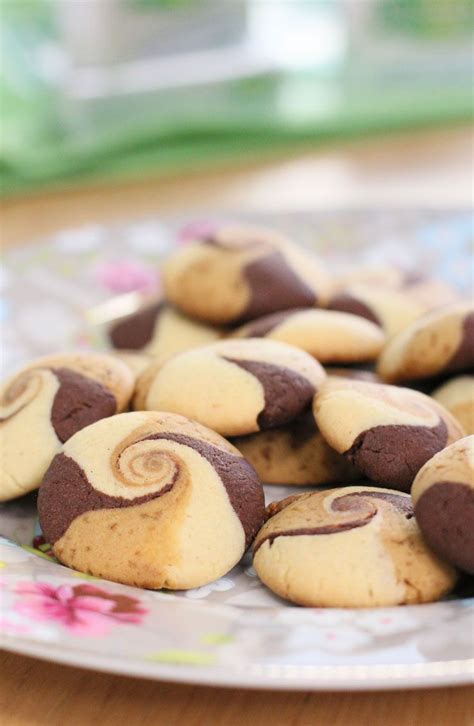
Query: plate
[[233, 632]]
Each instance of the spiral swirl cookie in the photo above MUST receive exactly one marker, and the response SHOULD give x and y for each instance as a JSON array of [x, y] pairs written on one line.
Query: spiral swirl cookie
[[160, 331], [295, 454], [238, 274], [45, 404], [386, 432], [329, 336], [152, 500], [438, 344], [427, 291], [236, 387], [457, 396], [352, 547], [392, 309], [443, 496]]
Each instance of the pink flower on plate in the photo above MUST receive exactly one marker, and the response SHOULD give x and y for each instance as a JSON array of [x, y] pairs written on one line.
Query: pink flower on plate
[[82, 609], [127, 276], [199, 229]]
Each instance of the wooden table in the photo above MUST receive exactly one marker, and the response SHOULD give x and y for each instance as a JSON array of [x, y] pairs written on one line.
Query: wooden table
[[429, 170], [40, 693]]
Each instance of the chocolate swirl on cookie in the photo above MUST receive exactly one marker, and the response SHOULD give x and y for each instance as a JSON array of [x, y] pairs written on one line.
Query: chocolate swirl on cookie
[[286, 392], [235, 387], [52, 399], [463, 358], [348, 511], [78, 400], [20, 392], [139, 465], [238, 274], [395, 453], [170, 490], [136, 330], [273, 285], [346, 303], [351, 547], [443, 496], [388, 433]]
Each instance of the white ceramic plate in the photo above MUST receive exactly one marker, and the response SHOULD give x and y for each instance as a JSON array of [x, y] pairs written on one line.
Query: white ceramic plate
[[233, 632]]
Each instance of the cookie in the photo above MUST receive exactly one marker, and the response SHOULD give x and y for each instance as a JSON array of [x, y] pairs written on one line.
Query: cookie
[[457, 396], [431, 293], [353, 547], [391, 277], [136, 362], [237, 274], [160, 331], [443, 496], [438, 344], [152, 500], [235, 387], [392, 309], [295, 454], [386, 432], [329, 336], [354, 374], [45, 403], [427, 291]]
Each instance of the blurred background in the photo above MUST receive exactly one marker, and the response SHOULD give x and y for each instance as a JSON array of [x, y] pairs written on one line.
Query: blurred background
[[95, 90]]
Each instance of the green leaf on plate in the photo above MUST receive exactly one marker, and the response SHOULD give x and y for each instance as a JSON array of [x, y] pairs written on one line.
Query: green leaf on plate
[[38, 553], [216, 639], [182, 657]]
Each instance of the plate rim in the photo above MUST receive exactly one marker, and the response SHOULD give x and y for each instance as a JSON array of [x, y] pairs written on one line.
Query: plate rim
[[435, 674]]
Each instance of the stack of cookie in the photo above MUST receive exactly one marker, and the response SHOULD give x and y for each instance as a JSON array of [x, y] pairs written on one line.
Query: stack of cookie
[[258, 366]]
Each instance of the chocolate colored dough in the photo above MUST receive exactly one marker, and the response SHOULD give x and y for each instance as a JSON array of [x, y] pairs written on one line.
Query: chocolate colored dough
[[403, 504], [343, 504], [445, 513], [273, 287], [463, 359], [393, 455], [259, 328], [79, 402], [326, 529], [240, 480], [287, 393], [345, 303], [302, 429], [136, 330], [66, 492]]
